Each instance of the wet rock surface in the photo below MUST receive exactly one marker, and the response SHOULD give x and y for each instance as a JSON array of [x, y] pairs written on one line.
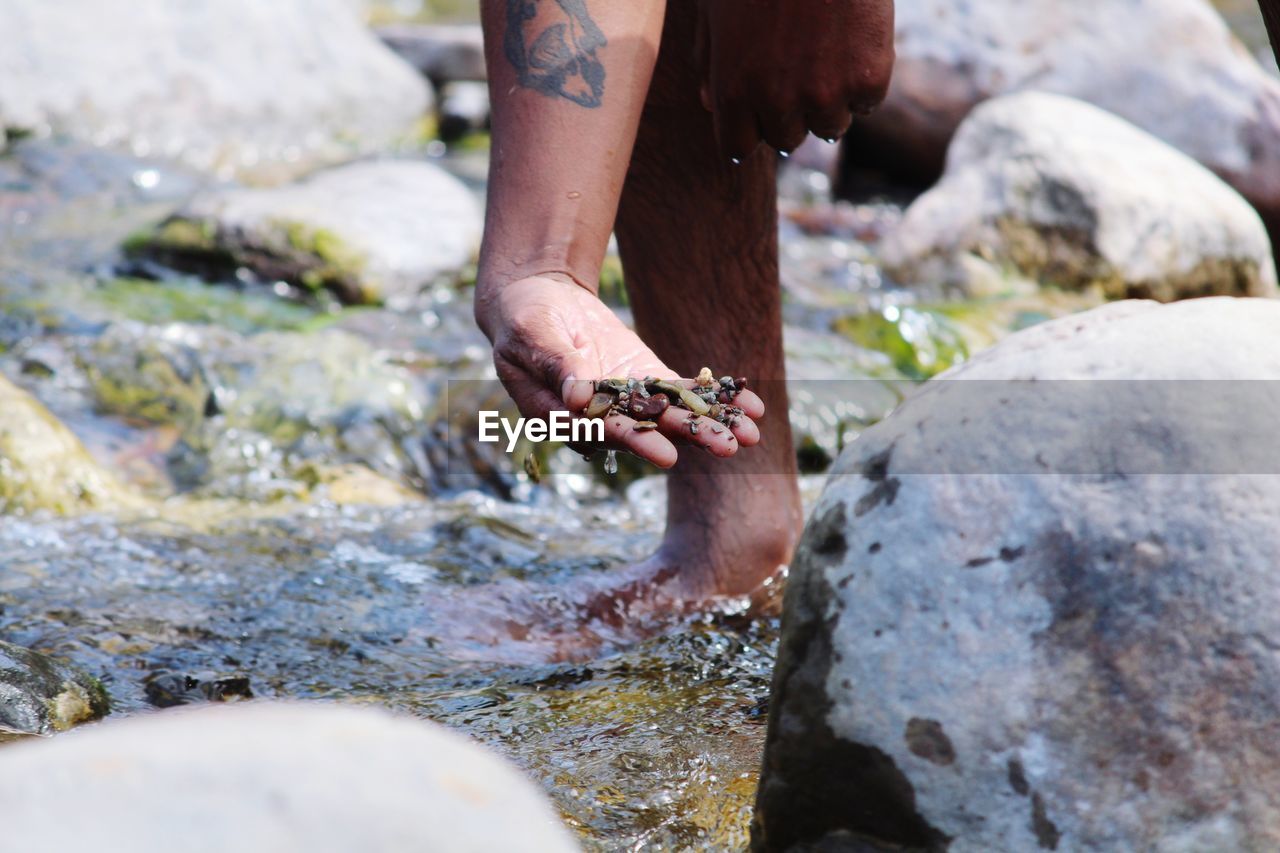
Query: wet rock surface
[[1171, 67], [285, 777], [1063, 193], [231, 86], [365, 232], [44, 467], [40, 695], [1045, 627]]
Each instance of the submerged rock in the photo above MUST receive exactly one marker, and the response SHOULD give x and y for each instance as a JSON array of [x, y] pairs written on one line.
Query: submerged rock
[[40, 695], [1060, 192], [1169, 66], [267, 416], [43, 466], [366, 232], [232, 85], [278, 778], [1038, 615]]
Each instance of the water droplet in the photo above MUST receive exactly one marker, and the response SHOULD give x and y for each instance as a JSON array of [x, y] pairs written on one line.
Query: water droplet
[[575, 195], [785, 154], [735, 161], [611, 462]]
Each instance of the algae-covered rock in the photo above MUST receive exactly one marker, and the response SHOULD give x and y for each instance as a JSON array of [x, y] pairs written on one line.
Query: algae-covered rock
[[43, 466], [266, 416], [366, 232], [228, 85], [40, 695], [1062, 193], [271, 777]]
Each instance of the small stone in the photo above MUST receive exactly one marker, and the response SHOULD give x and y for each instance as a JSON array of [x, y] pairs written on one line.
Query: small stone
[[600, 404], [649, 407]]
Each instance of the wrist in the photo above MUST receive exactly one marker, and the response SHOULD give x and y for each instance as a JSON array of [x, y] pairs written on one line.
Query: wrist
[[497, 302]]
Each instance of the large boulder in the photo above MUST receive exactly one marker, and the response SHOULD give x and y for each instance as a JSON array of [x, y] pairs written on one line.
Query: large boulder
[[229, 85], [1169, 66], [276, 778], [44, 467], [1042, 615], [40, 695], [1058, 191], [366, 232]]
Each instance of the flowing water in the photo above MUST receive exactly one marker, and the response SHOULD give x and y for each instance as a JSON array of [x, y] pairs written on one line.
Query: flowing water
[[255, 562]]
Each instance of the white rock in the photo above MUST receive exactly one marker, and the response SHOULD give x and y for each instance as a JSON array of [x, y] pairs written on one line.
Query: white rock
[[1064, 193], [982, 648], [378, 229], [264, 778], [1169, 66], [232, 85]]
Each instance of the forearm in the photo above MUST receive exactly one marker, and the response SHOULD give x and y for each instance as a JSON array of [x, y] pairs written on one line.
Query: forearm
[[1271, 14], [567, 85]]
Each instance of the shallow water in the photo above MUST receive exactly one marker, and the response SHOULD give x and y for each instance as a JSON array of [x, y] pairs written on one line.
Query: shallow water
[[654, 748]]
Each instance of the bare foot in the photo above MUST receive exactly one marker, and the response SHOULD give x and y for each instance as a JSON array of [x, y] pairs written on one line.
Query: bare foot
[[704, 568]]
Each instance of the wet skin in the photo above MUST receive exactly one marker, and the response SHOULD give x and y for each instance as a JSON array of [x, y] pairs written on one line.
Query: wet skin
[[661, 121]]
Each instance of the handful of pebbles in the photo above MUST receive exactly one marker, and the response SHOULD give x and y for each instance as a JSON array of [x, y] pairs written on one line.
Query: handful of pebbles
[[648, 399]]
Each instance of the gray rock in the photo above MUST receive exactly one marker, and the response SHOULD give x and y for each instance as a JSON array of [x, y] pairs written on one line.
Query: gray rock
[[368, 232], [1169, 66], [234, 86], [1060, 192], [277, 778], [1041, 615], [40, 695], [441, 52]]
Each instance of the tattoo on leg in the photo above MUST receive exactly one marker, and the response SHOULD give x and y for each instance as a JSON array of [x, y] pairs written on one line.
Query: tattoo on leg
[[555, 52]]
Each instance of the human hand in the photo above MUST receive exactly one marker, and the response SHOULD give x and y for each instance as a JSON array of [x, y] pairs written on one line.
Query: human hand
[[777, 69], [552, 339]]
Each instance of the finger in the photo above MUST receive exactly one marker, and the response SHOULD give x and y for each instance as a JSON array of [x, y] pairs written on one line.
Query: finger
[[829, 124], [620, 433], [747, 433], [783, 131], [576, 393], [736, 132], [678, 425], [752, 406]]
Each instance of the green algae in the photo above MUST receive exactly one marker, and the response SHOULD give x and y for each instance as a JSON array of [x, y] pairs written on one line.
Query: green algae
[[920, 342], [189, 301]]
